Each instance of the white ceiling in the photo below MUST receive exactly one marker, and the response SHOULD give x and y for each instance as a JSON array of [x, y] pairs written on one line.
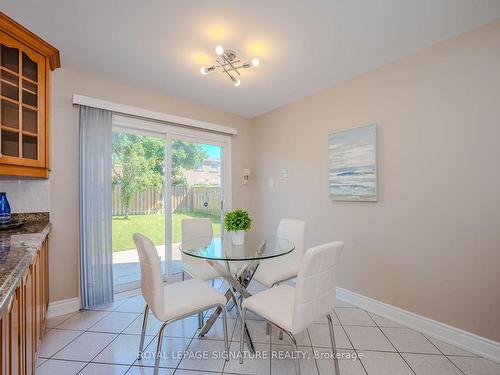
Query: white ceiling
[[304, 46]]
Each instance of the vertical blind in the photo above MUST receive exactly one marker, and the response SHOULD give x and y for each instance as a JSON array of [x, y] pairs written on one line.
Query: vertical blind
[[96, 257]]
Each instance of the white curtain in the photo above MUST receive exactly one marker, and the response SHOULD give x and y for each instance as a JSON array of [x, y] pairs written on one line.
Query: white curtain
[[96, 259]]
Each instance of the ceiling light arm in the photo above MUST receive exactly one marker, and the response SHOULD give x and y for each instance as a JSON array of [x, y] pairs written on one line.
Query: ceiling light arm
[[223, 67], [230, 63], [242, 66]]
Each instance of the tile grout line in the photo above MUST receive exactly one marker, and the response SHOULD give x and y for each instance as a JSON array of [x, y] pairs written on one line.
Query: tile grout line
[[108, 312], [349, 339], [443, 354], [315, 361], [180, 360], [153, 338], [62, 329], [230, 339], [125, 299], [187, 347], [149, 343], [397, 350], [64, 346], [70, 316], [81, 334], [118, 335], [268, 344], [272, 345]]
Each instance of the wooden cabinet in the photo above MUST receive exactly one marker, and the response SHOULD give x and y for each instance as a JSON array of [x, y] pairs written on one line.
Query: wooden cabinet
[[25, 65], [11, 344], [28, 307], [22, 322]]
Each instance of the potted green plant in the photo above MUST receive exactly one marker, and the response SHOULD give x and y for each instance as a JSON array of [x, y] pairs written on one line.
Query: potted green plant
[[237, 222]]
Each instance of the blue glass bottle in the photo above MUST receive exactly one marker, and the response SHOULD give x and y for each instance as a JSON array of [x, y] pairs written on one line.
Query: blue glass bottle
[[5, 215]]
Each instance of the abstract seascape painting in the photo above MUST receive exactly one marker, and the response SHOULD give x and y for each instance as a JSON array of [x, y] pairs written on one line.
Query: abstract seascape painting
[[353, 164]]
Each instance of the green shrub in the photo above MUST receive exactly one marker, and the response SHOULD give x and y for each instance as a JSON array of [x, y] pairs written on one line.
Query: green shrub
[[237, 220]]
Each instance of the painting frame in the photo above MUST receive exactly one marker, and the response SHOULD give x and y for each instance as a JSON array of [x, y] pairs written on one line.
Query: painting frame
[[353, 164]]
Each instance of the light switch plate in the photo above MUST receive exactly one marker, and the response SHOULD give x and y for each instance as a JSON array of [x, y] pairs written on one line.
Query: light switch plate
[[284, 172]]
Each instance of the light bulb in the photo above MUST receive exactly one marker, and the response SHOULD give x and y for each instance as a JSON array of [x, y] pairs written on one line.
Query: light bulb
[[236, 82], [203, 71], [219, 50], [255, 62]]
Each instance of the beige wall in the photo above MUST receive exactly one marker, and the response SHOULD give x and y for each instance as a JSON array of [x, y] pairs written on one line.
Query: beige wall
[[64, 211], [431, 245]]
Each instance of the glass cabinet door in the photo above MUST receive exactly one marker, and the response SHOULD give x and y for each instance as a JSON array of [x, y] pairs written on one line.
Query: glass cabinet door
[[22, 104]]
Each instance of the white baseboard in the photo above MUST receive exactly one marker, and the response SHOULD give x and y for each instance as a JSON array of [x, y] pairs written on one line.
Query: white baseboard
[[465, 340], [63, 307]]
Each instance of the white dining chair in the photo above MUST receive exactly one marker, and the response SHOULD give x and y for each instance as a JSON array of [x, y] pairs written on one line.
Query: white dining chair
[[293, 310], [171, 302], [273, 271], [276, 270], [199, 229], [193, 231]]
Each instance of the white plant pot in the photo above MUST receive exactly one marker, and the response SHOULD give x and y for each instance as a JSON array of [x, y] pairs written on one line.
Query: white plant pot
[[238, 237]]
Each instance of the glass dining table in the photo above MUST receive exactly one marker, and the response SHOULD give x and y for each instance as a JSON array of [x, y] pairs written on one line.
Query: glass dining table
[[236, 264]]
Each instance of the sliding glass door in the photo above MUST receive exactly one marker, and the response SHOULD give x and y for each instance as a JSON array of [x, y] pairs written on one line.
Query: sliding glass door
[[137, 201], [196, 188], [163, 174]]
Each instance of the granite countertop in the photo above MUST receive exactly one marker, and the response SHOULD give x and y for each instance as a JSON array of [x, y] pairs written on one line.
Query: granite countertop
[[18, 248]]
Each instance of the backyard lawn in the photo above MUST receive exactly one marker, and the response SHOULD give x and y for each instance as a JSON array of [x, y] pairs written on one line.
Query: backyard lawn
[[151, 225]]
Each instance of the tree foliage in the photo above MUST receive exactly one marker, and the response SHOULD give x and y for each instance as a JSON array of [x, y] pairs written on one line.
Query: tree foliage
[[185, 155], [138, 163]]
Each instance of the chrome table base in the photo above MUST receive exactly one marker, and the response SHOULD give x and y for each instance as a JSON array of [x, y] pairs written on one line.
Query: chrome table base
[[236, 293]]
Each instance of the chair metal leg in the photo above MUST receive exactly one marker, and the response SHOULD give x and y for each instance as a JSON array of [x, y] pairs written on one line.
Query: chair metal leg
[[213, 317], [183, 276], [280, 331], [247, 336], [143, 332], [242, 337], [226, 341], [158, 348], [295, 348], [334, 346], [234, 301], [200, 320], [230, 306]]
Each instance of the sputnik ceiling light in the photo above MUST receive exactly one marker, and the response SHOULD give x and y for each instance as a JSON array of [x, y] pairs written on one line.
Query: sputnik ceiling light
[[228, 63]]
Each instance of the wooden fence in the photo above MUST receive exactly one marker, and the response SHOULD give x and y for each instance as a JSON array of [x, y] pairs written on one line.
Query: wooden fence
[[196, 199]]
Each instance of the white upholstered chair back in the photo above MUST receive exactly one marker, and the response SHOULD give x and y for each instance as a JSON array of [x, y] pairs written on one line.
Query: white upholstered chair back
[[315, 288], [293, 230], [151, 276], [194, 230]]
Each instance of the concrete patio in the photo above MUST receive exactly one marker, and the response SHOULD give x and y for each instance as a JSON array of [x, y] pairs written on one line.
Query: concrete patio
[[126, 268]]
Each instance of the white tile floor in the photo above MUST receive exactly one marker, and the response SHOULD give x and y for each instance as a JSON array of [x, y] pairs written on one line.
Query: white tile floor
[[105, 341]]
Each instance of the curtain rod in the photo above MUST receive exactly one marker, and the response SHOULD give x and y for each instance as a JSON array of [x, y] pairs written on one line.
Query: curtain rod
[[146, 113]]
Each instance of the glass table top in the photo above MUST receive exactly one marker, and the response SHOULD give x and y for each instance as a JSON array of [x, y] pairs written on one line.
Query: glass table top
[[255, 247]]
